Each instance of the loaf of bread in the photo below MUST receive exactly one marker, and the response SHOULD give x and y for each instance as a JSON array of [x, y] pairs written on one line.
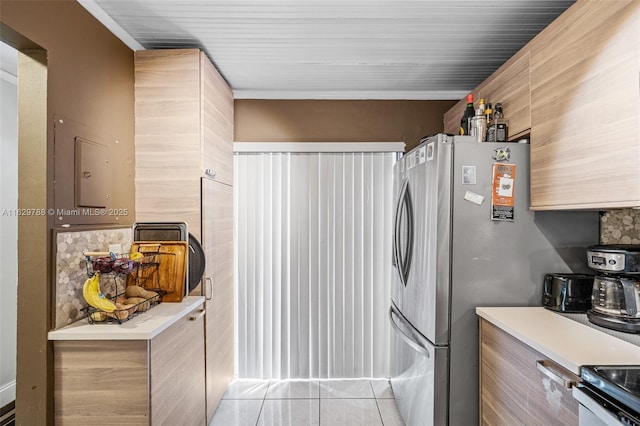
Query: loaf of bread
[[137, 291], [141, 303], [124, 306], [121, 315]]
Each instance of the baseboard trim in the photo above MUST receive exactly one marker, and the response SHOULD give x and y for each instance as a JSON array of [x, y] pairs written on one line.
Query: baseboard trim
[[7, 395], [8, 414]]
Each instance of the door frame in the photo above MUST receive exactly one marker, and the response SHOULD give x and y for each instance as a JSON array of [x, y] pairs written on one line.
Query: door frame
[[34, 376]]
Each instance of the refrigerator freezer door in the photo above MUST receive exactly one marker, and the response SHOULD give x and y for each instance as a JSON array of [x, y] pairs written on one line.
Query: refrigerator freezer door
[[426, 294], [418, 374]]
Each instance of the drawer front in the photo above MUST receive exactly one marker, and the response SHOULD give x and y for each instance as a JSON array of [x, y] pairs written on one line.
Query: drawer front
[[514, 390]]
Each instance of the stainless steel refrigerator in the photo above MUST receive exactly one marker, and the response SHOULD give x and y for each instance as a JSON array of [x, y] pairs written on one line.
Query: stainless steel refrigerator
[[457, 247]]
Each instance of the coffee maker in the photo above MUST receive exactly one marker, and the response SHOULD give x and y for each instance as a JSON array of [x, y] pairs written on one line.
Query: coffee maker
[[615, 300]]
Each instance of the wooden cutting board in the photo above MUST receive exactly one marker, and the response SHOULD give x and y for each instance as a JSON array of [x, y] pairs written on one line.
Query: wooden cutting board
[[163, 269]]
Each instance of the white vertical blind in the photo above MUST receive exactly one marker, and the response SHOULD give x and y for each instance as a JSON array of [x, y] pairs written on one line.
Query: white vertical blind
[[313, 234]]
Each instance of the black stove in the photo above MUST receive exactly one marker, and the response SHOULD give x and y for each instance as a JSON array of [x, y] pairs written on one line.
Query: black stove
[[617, 388]]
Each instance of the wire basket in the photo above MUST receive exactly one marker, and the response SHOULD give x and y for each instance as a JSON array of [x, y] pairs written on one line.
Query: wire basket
[[119, 263], [97, 316], [118, 271]]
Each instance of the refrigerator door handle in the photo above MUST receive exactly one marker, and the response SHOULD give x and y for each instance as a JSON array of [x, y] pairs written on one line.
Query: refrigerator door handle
[[395, 232], [409, 336], [397, 255], [406, 266]]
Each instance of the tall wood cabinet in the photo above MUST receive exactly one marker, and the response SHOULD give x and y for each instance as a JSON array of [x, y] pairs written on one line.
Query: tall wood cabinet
[[184, 172], [513, 391]]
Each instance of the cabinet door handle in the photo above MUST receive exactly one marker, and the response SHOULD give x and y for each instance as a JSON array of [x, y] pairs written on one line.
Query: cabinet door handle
[[557, 373], [209, 289], [197, 316], [210, 172]]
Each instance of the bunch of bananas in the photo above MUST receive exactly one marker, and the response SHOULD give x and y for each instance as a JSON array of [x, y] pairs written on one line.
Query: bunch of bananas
[[93, 295]]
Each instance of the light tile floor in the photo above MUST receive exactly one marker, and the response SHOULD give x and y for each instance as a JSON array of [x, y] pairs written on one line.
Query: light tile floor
[[345, 402]]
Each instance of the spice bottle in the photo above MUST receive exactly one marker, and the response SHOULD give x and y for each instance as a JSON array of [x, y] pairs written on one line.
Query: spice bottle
[[479, 123], [468, 114], [498, 128]]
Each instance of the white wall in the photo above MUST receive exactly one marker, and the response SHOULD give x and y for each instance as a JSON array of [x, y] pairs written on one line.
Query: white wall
[[8, 223]]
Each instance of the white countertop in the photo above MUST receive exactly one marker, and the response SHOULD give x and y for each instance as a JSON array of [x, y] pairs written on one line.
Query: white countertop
[[143, 327], [561, 339]]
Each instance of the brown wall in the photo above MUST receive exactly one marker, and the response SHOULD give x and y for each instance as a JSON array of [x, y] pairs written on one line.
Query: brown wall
[[90, 86], [338, 121], [90, 81]]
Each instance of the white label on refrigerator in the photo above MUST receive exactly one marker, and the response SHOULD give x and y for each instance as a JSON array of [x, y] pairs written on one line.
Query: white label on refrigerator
[[474, 198], [422, 155], [412, 161], [430, 149]]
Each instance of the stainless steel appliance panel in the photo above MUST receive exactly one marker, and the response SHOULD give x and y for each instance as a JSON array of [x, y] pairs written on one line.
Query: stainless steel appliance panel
[[419, 377]]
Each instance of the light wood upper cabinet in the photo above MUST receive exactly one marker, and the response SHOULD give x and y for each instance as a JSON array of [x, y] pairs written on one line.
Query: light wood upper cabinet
[[217, 123], [585, 108], [513, 391], [184, 130], [167, 136], [576, 85], [508, 85]]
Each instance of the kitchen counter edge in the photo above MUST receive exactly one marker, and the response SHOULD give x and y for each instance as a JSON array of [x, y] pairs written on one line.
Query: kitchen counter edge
[[143, 327], [561, 339]]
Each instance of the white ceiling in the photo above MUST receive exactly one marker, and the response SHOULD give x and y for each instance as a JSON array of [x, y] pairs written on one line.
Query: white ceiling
[[338, 49]]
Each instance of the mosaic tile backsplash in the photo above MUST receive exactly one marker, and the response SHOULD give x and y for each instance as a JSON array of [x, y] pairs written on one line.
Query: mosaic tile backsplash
[[71, 268], [620, 227]]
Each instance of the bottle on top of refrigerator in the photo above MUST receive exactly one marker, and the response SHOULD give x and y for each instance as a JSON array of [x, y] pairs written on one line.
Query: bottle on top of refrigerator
[[498, 128], [481, 106], [468, 114], [478, 126], [488, 113]]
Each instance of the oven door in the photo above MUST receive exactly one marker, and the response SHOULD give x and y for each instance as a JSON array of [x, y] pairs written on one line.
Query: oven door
[[600, 410]]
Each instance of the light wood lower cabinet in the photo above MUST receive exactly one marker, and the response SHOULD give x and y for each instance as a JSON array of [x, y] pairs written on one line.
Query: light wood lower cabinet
[[218, 244], [176, 367], [133, 382], [513, 391]]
